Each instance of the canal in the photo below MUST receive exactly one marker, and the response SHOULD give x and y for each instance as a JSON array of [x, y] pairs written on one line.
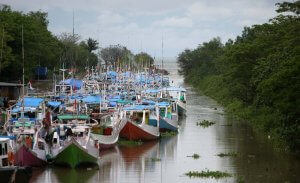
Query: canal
[[167, 160]]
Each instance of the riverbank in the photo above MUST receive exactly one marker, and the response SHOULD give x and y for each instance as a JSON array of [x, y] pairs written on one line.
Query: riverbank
[[258, 118]]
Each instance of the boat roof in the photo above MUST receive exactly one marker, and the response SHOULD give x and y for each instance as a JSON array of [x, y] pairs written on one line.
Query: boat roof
[[31, 102], [163, 104], [172, 88], [92, 99], [54, 103], [139, 108], [71, 116]]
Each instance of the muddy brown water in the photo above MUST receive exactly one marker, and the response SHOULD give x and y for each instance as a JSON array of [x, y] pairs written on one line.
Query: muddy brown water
[[256, 160]]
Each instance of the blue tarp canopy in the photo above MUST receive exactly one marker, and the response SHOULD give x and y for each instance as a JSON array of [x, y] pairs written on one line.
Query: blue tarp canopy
[[163, 104], [54, 103], [75, 83], [152, 91], [171, 88], [30, 102], [148, 102], [92, 99], [139, 108], [8, 137], [112, 74]]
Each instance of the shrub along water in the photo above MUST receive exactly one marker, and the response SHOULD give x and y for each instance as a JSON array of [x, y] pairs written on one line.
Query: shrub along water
[[255, 76]]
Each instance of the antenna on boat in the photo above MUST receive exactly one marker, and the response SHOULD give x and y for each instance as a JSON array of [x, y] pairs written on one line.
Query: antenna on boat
[[73, 23], [1, 47], [162, 59], [23, 71], [63, 70]]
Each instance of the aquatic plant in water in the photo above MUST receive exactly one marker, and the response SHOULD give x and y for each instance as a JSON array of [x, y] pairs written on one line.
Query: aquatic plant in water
[[205, 123], [232, 154], [155, 159], [207, 174], [124, 142], [195, 156], [168, 134]]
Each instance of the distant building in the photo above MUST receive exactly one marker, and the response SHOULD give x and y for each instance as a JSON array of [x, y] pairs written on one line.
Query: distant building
[[9, 91]]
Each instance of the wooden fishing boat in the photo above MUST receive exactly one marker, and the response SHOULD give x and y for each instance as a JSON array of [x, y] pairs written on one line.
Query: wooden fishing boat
[[24, 122], [168, 116], [72, 144], [8, 172], [107, 134], [178, 95], [142, 123]]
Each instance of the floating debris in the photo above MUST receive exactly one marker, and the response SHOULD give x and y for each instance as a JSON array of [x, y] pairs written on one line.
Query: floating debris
[[232, 154], [124, 142], [207, 174], [155, 159], [168, 134], [195, 156], [205, 123]]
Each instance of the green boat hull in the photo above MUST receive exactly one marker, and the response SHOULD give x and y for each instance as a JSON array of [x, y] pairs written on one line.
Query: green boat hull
[[73, 156], [181, 111]]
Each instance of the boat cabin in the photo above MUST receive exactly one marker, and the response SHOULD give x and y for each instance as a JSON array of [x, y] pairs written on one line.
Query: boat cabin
[[4, 142]]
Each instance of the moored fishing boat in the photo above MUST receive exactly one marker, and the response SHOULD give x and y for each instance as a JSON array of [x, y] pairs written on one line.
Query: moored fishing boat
[[142, 123], [178, 95], [107, 134], [168, 117], [72, 144], [9, 172], [24, 122]]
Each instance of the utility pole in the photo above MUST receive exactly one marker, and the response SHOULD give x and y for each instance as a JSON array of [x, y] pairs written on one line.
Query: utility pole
[[1, 48]]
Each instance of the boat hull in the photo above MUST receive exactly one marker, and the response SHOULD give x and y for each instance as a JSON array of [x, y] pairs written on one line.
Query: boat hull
[[181, 109], [132, 131], [26, 157], [74, 155], [23, 174], [165, 125]]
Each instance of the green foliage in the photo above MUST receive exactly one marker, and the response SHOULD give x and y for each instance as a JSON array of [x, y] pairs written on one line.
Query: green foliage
[[41, 48], [143, 60], [231, 154], [208, 174], [168, 134], [256, 76], [124, 142], [195, 156], [205, 123]]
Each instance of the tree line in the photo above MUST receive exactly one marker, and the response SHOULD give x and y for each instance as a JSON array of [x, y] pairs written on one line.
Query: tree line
[[256, 76], [43, 49]]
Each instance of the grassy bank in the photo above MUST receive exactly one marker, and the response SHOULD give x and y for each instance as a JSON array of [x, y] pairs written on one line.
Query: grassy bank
[[264, 120]]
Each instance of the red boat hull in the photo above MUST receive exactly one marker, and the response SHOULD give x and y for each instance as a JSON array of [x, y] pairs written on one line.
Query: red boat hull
[[133, 132], [25, 157], [106, 146]]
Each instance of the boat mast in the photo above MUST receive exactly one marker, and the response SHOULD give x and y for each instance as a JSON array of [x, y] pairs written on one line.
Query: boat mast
[[23, 71], [162, 60], [1, 47]]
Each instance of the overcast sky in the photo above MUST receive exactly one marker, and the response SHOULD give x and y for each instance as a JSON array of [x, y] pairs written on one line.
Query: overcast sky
[[141, 24]]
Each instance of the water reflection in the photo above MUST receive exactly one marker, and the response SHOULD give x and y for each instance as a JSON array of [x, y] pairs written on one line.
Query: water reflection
[[257, 161]]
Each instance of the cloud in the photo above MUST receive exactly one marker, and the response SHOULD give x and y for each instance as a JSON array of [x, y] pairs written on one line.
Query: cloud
[[174, 22], [139, 25]]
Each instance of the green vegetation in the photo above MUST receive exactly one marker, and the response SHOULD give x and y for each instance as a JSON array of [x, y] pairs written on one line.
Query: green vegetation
[[168, 134], [43, 49], [255, 76], [205, 123], [195, 156], [155, 159], [124, 142], [208, 174], [231, 154]]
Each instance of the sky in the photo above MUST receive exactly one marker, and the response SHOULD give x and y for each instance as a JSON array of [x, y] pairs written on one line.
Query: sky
[[143, 25]]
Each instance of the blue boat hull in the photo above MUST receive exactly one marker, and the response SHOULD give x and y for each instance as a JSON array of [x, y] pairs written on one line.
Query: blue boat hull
[[164, 125]]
